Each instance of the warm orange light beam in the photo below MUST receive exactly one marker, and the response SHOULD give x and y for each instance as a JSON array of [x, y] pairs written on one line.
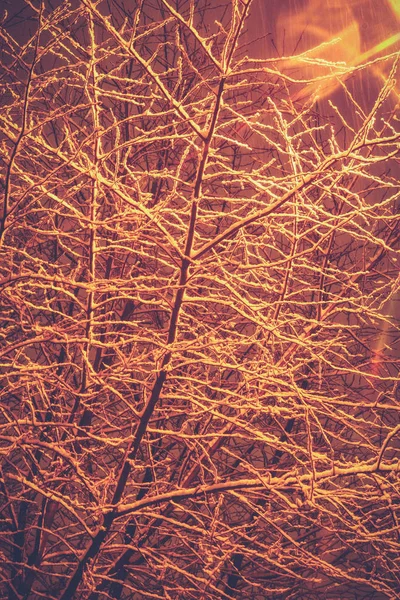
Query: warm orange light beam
[[390, 41], [332, 82], [395, 4], [336, 41]]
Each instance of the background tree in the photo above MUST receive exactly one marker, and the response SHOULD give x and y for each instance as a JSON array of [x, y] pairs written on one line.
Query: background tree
[[199, 279]]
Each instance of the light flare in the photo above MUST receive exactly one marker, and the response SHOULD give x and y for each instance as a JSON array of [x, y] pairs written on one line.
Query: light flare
[[334, 39], [395, 5], [385, 339]]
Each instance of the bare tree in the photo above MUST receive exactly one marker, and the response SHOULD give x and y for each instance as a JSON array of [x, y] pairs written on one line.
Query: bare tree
[[199, 280]]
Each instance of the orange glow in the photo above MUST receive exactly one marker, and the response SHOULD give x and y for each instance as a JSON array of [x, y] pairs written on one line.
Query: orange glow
[[375, 50], [395, 4], [335, 39], [384, 341]]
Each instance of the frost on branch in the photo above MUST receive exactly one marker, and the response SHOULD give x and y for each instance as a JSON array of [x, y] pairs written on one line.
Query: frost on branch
[[199, 389]]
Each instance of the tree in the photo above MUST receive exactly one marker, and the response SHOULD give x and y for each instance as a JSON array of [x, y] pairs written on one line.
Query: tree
[[199, 279]]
